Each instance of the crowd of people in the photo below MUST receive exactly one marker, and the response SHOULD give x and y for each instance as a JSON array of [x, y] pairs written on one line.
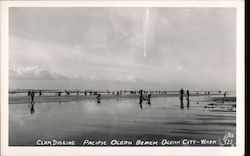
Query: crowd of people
[[143, 95]]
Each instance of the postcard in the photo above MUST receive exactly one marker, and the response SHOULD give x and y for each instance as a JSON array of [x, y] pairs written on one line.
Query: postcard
[[122, 78]]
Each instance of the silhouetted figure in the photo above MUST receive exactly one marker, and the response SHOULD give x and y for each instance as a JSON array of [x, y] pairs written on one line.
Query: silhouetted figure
[[59, 93], [67, 93], [32, 95], [225, 94], [141, 96], [98, 98], [29, 93], [40, 92], [188, 104], [188, 95], [148, 98], [85, 92], [181, 98], [181, 94], [32, 110]]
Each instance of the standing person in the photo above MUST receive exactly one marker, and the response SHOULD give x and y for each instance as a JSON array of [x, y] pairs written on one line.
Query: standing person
[[188, 95], [149, 96], [98, 98], [32, 95], [181, 94], [225, 94], [187, 99], [141, 96], [181, 97]]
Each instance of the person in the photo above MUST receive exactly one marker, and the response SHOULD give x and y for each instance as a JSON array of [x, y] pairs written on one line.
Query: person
[[188, 99], [29, 93], [181, 94], [181, 98], [67, 92], [98, 98], [32, 95], [225, 94], [188, 95], [148, 99], [40, 92], [141, 96]]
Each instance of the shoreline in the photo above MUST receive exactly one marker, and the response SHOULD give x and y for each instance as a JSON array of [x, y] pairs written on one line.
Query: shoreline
[[47, 99]]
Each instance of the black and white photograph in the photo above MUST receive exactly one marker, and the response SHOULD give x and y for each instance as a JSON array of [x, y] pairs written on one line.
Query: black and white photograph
[[134, 76]]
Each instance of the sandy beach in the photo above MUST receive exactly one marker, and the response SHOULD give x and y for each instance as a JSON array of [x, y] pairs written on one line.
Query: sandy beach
[[81, 119]]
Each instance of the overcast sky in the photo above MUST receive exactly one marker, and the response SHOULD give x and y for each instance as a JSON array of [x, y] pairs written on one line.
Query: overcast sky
[[103, 48]]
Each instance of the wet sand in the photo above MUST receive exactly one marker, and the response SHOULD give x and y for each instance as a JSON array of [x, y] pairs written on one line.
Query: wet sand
[[122, 118]]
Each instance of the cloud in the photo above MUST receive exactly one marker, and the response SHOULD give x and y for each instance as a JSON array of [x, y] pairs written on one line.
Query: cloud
[[126, 79], [192, 47], [34, 73]]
